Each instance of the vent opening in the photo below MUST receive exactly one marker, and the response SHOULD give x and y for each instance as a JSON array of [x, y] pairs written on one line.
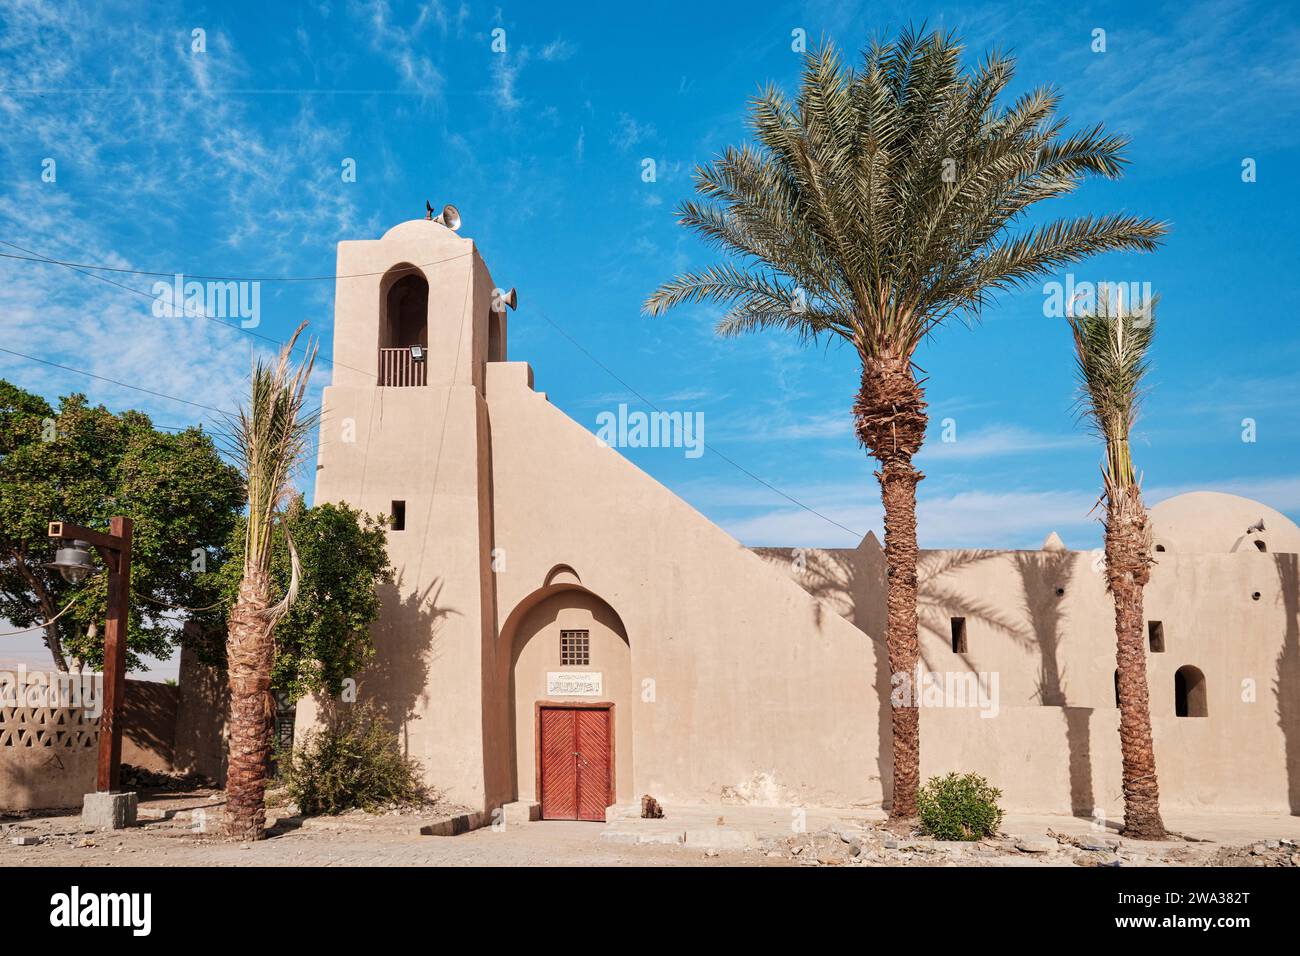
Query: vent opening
[[1156, 636], [959, 635]]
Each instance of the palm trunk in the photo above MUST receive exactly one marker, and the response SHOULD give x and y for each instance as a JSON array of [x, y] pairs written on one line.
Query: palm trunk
[[1128, 564], [250, 654], [891, 420]]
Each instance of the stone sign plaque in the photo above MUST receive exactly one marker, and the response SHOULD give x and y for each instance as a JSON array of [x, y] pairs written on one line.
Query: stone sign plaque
[[574, 684]]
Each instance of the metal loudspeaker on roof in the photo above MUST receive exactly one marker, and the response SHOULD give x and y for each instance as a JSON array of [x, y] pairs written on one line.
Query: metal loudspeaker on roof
[[450, 216]]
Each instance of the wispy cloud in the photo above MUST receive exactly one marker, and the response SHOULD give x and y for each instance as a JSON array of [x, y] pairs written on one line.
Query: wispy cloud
[[995, 441], [558, 50], [401, 46], [628, 132]]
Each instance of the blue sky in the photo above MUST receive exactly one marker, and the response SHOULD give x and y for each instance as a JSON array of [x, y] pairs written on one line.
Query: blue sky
[[228, 162]]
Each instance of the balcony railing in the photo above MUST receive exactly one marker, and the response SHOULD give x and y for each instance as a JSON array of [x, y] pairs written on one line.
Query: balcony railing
[[398, 369]]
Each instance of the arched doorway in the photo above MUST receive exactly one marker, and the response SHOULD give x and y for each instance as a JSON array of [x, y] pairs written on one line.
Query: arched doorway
[[572, 700]]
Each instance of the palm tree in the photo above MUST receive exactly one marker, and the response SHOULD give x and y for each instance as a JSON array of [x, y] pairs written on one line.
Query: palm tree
[[1110, 348], [270, 436], [875, 205]]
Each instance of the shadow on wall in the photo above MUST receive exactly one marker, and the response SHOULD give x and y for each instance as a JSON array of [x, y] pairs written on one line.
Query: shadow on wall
[[202, 714], [406, 648], [1287, 685], [149, 724], [1041, 574], [852, 582]]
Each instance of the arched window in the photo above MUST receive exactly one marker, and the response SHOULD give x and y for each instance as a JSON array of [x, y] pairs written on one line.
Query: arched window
[[1189, 692], [406, 313], [403, 327]]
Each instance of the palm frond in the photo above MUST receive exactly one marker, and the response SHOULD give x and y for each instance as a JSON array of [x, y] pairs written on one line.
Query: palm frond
[[270, 438], [1111, 344], [891, 194]]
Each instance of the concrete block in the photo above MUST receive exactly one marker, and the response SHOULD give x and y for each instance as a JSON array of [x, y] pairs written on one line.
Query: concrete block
[[25, 841], [521, 811], [455, 826], [108, 811], [622, 811]]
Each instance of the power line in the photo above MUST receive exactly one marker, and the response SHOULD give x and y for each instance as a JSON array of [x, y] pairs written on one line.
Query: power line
[[44, 624], [37, 257], [82, 269], [113, 381]]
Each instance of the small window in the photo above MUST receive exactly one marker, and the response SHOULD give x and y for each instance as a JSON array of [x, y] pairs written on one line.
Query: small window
[[1254, 596], [959, 635], [1117, 687], [1160, 547], [1189, 692], [397, 521], [1060, 592], [1260, 545], [1156, 635], [575, 648]]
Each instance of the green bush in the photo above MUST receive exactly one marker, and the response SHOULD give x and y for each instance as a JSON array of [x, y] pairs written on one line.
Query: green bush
[[356, 762], [959, 807]]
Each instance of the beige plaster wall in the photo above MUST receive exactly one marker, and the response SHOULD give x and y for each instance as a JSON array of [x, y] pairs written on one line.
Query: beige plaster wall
[[1054, 660], [756, 688]]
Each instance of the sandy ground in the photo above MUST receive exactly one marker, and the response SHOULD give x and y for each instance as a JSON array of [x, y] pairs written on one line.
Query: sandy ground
[[179, 830]]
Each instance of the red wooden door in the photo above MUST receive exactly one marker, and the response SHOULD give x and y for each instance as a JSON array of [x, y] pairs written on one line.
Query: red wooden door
[[575, 763]]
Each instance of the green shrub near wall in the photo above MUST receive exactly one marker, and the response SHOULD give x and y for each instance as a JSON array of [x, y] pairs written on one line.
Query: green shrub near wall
[[959, 807], [355, 763]]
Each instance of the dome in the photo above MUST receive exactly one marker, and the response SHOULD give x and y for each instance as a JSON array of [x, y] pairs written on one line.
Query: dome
[[422, 230], [1216, 522]]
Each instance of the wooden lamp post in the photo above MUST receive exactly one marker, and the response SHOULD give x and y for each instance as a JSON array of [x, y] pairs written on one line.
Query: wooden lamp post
[[73, 563]]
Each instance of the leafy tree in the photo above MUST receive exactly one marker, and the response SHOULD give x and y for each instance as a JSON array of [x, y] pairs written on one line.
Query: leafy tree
[[1110, 349], [877, 204], [82, 463], [324, 637]]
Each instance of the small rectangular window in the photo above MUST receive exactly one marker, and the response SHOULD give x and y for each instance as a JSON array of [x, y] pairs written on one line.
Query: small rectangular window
[[575, 647], [398, 516], [1156, 635], [959, 635]]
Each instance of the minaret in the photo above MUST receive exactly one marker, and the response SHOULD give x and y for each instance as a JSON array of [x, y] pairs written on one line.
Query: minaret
[[404, 432]]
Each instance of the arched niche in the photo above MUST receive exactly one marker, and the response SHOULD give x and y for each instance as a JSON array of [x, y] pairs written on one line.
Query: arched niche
[[404, 308], [536, 638], [1190, 692]]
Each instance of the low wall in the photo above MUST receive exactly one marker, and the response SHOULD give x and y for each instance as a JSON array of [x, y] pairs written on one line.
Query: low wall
[[1067, 760], [48, 753]]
